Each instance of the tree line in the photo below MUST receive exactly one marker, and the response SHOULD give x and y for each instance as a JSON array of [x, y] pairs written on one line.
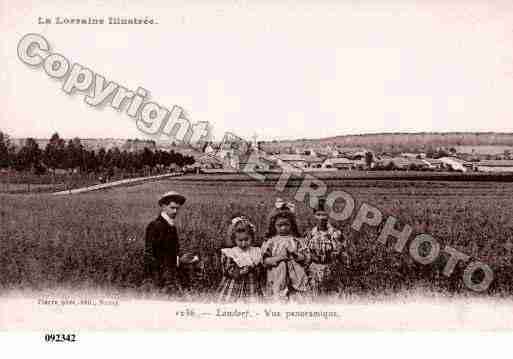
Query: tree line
[[72, 155]]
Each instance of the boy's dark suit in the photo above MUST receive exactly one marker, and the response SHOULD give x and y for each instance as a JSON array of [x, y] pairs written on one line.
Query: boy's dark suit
[[160, 254]]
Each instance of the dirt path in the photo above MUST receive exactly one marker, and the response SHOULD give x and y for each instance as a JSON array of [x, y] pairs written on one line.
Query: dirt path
[[117, 183]]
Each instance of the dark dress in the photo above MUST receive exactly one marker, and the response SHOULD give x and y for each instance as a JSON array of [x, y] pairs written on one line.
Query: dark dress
[[160, 254]]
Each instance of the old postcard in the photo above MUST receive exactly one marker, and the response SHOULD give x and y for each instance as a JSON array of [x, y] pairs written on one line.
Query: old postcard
[[248, 166]]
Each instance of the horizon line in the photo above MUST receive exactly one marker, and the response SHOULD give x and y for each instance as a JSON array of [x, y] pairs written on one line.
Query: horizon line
[[281, 140]]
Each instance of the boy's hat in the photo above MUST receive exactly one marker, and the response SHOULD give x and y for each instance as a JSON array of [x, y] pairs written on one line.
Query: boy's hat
[[172, 196]]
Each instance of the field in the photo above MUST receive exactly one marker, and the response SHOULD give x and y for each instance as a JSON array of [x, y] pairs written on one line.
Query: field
[[24, 182], [96, 240], [21, 182]]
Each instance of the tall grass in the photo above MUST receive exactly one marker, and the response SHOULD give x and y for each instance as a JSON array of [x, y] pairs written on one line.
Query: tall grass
[[96, 239]]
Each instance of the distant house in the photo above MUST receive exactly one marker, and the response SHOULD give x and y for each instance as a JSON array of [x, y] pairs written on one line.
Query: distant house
[[295, 160], [360, 155], [433, 163], [404, 163], [209, 161], [494, 166], [420, 155], [314, 161], [228, 158], [418, 163], [339, 163], [397, 162], [353, 150], [491, 150], [130, 145], [408, 155], [209, 148], [456, 164], [306, 151], [299, 161], [324, 152], [60, 171], [334, 153], [255, 163]]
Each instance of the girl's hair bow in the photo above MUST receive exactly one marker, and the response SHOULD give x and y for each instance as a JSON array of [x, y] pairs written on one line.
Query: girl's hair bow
[[242, 219], [281, 204]]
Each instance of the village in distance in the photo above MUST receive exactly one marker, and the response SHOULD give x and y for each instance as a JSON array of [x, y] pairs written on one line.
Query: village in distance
[[57, 163]]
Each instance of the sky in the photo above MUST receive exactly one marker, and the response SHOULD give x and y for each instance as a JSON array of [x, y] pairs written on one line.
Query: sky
[[306, 69]]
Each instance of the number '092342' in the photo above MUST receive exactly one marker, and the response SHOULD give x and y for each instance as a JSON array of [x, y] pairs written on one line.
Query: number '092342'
[[60, 338]]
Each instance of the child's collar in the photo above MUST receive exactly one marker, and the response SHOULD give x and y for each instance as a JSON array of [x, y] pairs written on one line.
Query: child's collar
[[329, 229]]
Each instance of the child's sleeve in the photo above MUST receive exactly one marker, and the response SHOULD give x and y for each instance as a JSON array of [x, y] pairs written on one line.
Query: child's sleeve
[[266, 250], [260, 256], [337, 242], [308, 239], [229, 267], [340, 248], [303, 251]]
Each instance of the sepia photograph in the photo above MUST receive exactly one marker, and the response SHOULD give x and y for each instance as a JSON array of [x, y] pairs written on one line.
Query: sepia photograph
[[255, 165]]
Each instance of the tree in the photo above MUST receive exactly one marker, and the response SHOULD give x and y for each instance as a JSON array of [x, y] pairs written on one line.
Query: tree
[[74, 154], [6, 151], [390, 166], [369, 158], [54, 155], [441, 153], [91, 161], [125, 161], [430, 153], [30, 156], [101, 158], [148, 157]]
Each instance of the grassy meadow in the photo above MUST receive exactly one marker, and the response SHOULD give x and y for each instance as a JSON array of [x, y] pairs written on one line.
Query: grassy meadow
[[96, 240]]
